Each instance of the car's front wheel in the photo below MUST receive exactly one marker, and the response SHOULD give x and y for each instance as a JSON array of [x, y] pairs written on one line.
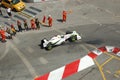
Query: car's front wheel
[[73, 38], [49, 46], [68, 32]]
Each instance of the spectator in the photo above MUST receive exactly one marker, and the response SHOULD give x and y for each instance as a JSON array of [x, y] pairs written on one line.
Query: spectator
[[37, 23], [13, 29], [64, 15], [19, 26], [33, 25], [2, 33], [50, 21], [9, 31], [44, 19], [9, 12], [25, 25]]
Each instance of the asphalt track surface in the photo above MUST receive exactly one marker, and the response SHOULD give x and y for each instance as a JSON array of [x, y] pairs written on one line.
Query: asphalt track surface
[[96, 21]]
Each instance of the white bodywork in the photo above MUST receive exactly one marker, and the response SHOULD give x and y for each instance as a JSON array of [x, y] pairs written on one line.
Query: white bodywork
[[59, 39]]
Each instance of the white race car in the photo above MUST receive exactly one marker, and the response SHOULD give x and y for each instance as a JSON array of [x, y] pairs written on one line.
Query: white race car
[[59, 39]]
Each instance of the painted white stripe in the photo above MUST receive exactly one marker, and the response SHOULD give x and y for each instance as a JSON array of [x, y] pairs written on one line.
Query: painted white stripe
[[85, 62], [97, 52], [30, 49], [56, 74], [43, 60], [24, 59], [118, 31], [7, 47], [109, 48], [118, 54], [16, 40]]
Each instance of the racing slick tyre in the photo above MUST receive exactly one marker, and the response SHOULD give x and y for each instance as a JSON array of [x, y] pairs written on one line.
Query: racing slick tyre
[[49, 46], [42, 41], [68, 32], [73, 38]]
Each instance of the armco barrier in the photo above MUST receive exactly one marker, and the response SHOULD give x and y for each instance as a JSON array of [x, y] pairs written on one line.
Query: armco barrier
[[78, 65]]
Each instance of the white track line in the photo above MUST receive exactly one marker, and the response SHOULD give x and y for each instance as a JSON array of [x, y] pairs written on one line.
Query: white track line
[[30, 49], [24, 59], [43, 60], [6, 51]]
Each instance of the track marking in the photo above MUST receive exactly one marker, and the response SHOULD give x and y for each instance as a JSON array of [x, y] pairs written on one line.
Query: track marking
[[30, 49], [100, 69], [24, 59], [117, 31], [117, 74], [108, 71], [98, 65], [43, 60], [101, 66], [6, 51], [16, 40], [115, 57], [108, 60]]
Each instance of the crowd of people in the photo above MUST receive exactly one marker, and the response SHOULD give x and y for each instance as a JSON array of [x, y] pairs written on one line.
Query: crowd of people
[[10, 31], [7, 32]]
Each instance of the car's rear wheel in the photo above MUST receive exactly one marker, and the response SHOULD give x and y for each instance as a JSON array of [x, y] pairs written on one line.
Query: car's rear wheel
[[68, 32], [42, 41], [49, 46], [73, 38]]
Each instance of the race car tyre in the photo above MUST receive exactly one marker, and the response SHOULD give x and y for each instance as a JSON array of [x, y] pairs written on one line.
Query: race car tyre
[[68, 32], [73, 38], [49, 46], [42, 41]]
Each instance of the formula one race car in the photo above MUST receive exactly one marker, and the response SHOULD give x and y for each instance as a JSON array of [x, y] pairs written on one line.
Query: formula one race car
[[59, 39]]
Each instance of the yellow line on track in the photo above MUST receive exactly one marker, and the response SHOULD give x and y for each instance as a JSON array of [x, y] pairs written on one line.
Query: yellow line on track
[[108, 71], [118, 72], [112, 56], [100, 69], [108, 60], [116, 75], [98, 65]]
